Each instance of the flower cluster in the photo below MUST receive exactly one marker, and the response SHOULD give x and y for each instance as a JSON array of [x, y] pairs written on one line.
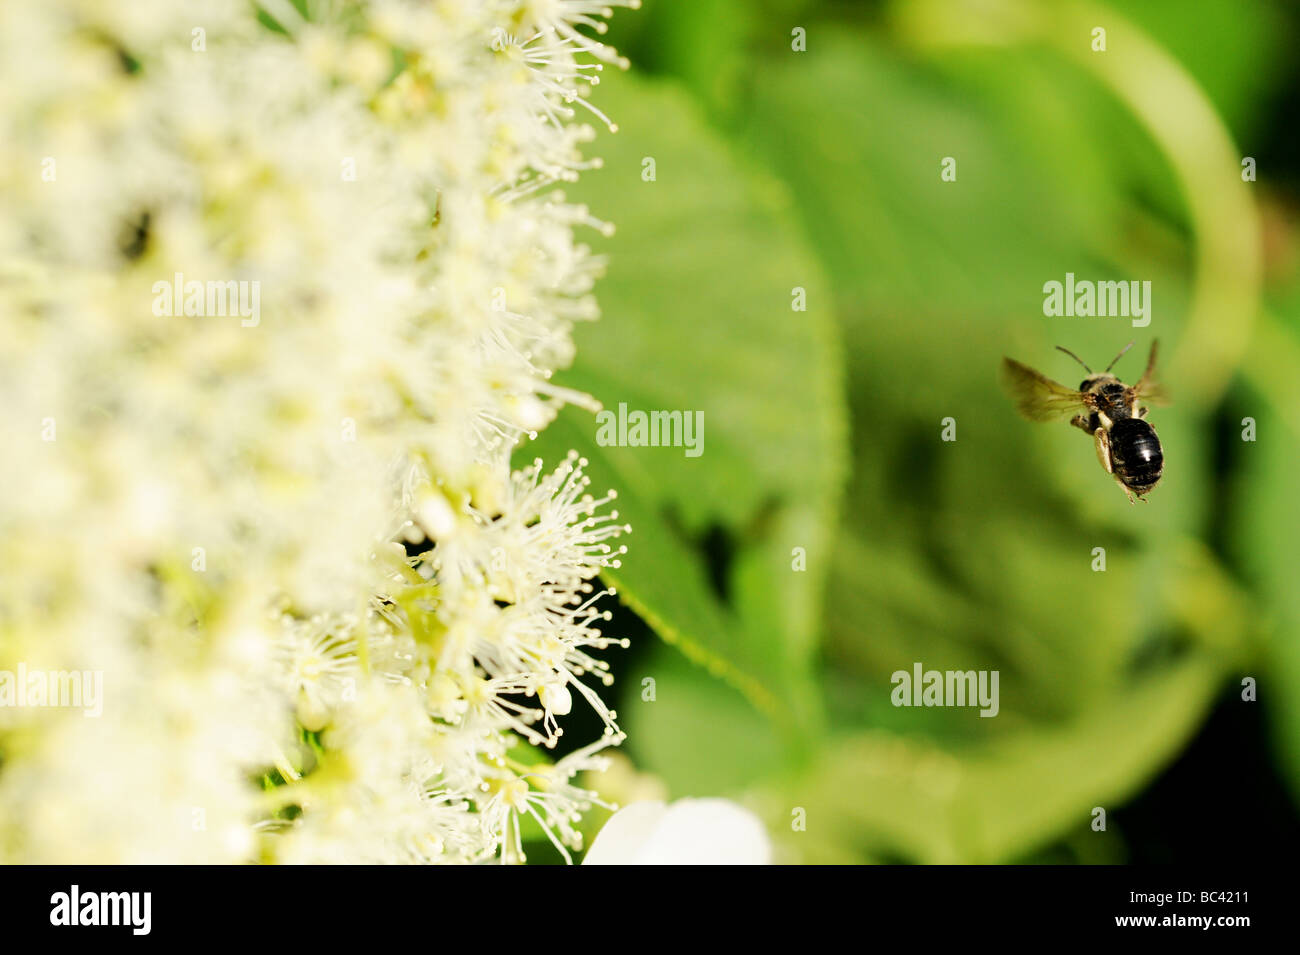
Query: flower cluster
[[281, 288]]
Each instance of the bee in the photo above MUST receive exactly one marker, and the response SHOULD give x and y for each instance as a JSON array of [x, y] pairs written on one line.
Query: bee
[[1112, 412]]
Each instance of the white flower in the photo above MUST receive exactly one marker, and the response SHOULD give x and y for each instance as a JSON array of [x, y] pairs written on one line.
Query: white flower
[[687, 832], [325, 606]]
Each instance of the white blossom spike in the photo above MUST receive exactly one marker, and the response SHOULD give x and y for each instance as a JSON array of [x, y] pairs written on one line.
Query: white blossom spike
[[293, 297]]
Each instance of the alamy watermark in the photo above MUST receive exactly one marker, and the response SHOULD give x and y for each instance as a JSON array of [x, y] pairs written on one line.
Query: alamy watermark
[[651, 429], [1087, 299], [76, 689], [130, 909], [946, 688], [242, 298]]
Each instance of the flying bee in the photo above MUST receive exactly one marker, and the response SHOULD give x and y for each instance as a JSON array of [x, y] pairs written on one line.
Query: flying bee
[[1112, 412]]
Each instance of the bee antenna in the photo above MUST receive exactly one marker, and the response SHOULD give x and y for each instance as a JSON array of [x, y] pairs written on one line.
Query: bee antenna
[[1076, 358], [1119, 356]]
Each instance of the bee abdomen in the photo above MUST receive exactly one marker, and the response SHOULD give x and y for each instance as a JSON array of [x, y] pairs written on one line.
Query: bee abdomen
[[1136, 454]]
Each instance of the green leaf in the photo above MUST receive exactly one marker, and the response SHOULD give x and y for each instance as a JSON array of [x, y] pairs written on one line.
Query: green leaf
[[1238, 70], [698, 317], [701, 43], [1263, 534], [880, 795], [699, 736]]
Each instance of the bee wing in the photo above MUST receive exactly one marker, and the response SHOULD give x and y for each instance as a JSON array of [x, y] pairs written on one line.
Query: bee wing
[[1147, 388], [1037, 397]]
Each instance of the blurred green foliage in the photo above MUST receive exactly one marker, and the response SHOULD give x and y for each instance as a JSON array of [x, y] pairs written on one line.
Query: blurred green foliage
[[778, 169]]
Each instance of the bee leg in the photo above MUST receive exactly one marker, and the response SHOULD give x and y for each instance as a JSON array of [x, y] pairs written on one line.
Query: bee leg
[[1103, 455], [1081, 422], [1142, 412], [1103, 450]]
